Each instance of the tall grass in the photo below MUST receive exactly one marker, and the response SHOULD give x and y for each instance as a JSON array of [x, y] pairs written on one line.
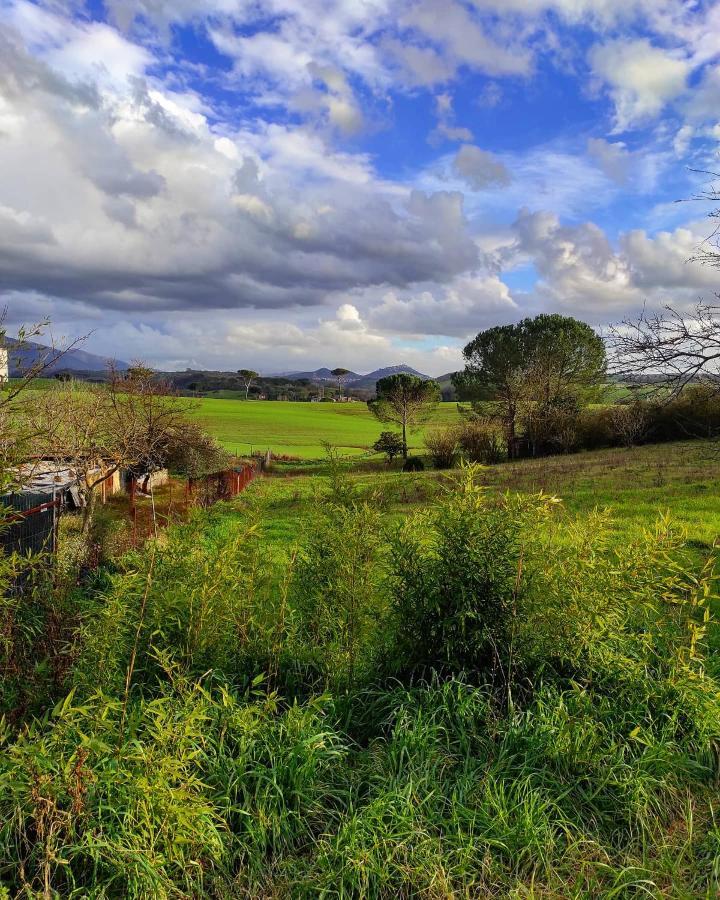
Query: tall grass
[[478, 702]]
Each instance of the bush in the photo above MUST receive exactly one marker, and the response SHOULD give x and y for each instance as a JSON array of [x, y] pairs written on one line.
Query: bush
[[455, 573], [443, 446], [337, 598], [413, 464], [390, 444], [201, 593], [595, 428], [482, 442], [552, 427], [630, 422]]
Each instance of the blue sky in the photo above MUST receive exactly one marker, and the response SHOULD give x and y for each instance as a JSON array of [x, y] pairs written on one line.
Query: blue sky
[[290, 184]]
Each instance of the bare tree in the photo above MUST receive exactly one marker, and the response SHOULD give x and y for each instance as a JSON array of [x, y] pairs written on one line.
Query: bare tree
[[674, 348], [671, 349], [21, 439], [629, 422], [133, 423], [45, 357], [247, 376], [709, 251]]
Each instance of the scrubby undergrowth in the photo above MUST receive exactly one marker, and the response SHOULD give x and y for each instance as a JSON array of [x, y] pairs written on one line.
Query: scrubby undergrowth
[[484, 700]]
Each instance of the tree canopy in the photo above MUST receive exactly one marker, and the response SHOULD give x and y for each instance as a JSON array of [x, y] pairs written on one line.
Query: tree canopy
[[543, 360], [406, 401]]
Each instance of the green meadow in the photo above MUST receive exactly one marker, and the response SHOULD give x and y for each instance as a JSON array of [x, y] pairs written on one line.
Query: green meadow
[[298, 429], [634, 485]]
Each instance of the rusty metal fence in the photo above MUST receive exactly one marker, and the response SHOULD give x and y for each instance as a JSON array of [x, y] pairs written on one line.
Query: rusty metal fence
[[220, 486]]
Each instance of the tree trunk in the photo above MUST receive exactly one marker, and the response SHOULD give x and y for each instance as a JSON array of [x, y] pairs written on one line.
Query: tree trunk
[[88, 512], [511, 437], [405, 446]]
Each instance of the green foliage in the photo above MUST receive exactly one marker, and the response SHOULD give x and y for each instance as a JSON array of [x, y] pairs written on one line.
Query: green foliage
[[554, 355], [390, 443], [563, 742], [536, 370], [456, 572], [337, 587], [443, 444], [199, 600]]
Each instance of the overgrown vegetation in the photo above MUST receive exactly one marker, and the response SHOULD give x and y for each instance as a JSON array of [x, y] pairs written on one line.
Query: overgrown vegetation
[[486, 698]]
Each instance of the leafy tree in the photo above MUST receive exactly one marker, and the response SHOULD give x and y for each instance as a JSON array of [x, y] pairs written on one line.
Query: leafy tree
[[390, 443], [340, 374], [544, 360], [248, 376], [406, 401]]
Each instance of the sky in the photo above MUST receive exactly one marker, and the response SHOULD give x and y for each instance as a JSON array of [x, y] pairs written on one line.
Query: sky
[[287, 184]]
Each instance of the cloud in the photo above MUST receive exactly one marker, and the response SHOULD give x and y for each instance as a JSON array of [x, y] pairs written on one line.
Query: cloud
[[158, 210], [642, 78], [614, 158], [581, 271], [460, 309], [199, 212], [446, 128], [449, 25], [480, 169]]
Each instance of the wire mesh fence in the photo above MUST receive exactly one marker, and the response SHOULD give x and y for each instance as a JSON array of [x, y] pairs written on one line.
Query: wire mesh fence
[[28, 522]]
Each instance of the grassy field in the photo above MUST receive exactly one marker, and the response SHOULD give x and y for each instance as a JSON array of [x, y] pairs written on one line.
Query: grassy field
[[298, 429], [284, 697], [635, 485]]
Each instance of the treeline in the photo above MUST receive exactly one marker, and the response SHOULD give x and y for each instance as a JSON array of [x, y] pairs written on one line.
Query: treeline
[[544, 430], [261, 387]]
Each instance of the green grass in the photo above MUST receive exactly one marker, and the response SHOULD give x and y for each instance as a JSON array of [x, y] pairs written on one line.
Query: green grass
[[298, 429], [637, 485], [242, 722]]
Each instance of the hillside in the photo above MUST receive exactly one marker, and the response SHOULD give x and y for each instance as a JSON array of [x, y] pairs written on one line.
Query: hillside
[[24, 356]]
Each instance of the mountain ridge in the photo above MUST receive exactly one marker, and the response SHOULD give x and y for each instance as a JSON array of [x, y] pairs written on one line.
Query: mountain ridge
[[354, 379], [23, 355]]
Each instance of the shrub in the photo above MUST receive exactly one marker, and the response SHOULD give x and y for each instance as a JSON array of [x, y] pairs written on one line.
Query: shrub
[[630, 422], [482, 442], [413, 464], [595, 428], [337, 595], [552, 427], [443, 446], [390, 444], [455, 573]]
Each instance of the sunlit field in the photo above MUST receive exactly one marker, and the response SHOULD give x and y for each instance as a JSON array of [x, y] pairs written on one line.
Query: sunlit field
[[299, 429]]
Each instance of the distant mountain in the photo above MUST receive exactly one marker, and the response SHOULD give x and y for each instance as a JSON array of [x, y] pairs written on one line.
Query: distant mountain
[[321, 375], [353, 379], [371, 379], [24, 356]]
